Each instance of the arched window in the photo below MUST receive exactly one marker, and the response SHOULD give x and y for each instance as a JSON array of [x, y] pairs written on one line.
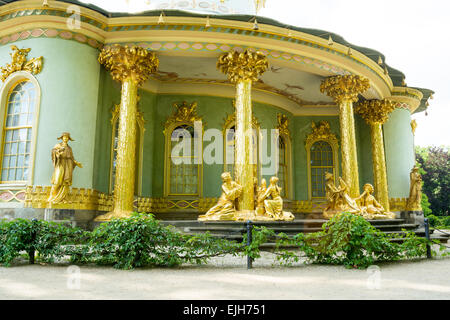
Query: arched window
[[183, 168], [139, 148], [17, 132], [282, 166], [183, 160], [322, 154], [321, 162], [229, 146]]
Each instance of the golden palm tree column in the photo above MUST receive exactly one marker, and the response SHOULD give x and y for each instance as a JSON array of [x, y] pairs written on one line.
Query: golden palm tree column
[[345, 90], [242, 69], [376, 113], [131, 66]]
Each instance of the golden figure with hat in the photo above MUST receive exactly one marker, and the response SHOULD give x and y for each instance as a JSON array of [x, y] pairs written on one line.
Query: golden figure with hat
[[63, 163]]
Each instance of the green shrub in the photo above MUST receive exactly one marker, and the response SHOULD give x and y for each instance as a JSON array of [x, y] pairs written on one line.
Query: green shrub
[[347, 240], [48, 239], [141, 241]]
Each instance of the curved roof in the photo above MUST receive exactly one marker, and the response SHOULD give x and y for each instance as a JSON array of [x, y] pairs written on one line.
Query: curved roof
[[396, 76]]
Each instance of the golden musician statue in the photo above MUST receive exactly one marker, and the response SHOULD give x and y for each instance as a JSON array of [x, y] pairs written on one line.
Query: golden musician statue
[[339, 201]]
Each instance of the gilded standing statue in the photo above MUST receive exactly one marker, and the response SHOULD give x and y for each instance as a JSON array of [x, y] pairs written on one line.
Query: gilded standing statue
[[415, 191], [63, 163]]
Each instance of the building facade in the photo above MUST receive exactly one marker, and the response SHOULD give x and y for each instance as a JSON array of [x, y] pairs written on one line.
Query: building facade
[[58, 85]]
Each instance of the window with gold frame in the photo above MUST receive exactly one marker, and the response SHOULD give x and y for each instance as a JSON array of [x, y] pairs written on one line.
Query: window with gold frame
[[17, 132], [322, 156], [183, 169], [282, 166], [321, 162], [183, 166]]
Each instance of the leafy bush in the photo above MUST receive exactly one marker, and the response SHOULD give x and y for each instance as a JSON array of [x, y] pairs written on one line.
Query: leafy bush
[[347, 240], [49, 239], [141, 241]]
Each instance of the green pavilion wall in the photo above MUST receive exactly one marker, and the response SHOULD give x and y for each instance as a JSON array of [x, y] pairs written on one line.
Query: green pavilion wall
[[69, 84], [400, 158]]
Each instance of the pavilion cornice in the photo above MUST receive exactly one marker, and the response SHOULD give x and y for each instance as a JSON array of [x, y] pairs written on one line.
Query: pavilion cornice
[[106, 29], [24, 19]]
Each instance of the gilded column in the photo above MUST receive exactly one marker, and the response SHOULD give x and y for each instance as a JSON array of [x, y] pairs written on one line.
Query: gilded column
[[242, 69], [131, 66], [344, 90], [376, 112]]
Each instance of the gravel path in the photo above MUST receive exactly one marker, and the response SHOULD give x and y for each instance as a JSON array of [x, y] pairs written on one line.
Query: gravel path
[[227, 278]]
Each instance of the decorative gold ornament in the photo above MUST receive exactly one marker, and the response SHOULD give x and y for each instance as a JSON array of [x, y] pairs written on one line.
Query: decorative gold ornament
[[247, 65], [344, 88], [415, 191], [184, 112], [375, 111], [64, 163], [20, 63], [126, 62], [75, 198], [413, 126], [283, 125], [321, 131]]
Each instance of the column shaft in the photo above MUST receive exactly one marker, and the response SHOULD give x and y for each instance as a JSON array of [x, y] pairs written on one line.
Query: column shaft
[[126, 149], [350, 171], [243, 144], [379, 165]]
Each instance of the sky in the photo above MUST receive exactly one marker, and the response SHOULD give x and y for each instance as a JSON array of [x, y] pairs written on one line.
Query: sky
[[412, 34]]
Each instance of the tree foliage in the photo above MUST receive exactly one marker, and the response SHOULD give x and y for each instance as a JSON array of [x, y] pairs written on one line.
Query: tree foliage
[[435, 165]]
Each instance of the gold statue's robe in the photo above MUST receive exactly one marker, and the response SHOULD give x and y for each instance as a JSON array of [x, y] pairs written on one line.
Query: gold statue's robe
[[64, 163]]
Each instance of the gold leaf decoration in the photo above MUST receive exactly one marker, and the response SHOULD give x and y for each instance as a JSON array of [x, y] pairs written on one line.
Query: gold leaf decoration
[[20, 63], [247, 65], [344, 88], [375, 111], [126, 62]]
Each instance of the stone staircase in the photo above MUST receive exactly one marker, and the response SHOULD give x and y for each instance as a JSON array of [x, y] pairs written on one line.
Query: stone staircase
[[234, 230]]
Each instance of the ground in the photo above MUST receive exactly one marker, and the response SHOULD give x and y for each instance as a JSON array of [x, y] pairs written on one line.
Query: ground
[[227, 278]]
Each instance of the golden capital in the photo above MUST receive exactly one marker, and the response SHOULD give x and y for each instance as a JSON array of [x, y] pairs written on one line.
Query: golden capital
[[126, 62], [344, 88], [375, 111], [247, 65]]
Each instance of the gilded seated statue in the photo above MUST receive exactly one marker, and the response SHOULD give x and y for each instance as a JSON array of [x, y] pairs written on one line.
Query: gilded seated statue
[[273, 203], [370, 207], [225, 207], [338, 198]]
